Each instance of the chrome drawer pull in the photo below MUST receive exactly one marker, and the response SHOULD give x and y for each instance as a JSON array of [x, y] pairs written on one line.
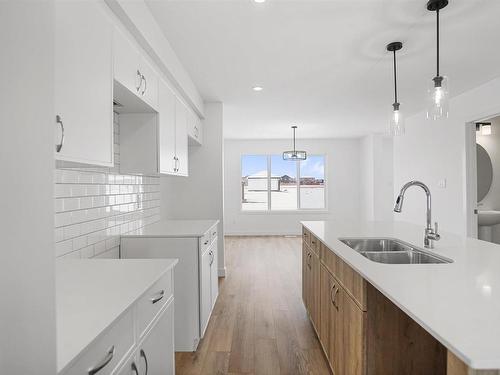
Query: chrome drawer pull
[[206, 242], [157, 297], [145, 84], [134, 368], [107, 358], [143, 355], [139, 80], [60, 144]]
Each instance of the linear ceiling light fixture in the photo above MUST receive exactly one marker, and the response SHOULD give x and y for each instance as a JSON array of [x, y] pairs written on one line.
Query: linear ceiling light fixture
[[438, 95], [397, 125], [294, 155]]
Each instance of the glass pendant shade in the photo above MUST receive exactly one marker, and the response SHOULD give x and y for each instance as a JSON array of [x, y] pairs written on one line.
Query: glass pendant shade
[[397, 121], [438, 97], [294, 155]]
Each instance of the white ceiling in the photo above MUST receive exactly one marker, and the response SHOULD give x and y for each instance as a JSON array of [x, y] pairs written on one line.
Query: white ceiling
[[323, 64]]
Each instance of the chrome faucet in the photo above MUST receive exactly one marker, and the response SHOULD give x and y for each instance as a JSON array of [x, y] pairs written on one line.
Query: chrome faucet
[[431, 234]]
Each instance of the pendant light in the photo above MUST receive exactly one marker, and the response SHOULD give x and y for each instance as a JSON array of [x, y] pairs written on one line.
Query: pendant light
[[294, 155], [438, 95], [397, 125]]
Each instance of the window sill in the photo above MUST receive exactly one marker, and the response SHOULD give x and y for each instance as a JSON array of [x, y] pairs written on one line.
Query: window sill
[[284, 212]]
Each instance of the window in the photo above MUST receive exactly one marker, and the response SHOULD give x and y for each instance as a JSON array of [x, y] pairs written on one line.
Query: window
[[269, 183]]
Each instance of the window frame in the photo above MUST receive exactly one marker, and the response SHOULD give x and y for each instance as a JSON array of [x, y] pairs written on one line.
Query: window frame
[[299, 209]]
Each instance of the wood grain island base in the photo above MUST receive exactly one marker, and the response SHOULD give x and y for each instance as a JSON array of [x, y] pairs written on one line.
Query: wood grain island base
[[360, 330]]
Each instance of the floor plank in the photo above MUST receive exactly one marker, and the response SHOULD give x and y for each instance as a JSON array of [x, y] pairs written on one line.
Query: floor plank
[[259, 324]]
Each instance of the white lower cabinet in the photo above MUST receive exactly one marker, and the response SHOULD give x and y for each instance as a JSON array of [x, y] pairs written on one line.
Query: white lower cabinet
[[140, 342], [155, 353], [196, 278]]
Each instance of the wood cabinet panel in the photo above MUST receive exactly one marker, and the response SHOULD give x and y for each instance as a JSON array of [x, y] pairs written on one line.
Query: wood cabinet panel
[[314, 290], [353, 335], [394, 335], [306, 236], [354, 284]]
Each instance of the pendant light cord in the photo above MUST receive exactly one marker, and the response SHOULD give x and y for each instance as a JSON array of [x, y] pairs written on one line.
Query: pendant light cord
[[294, 140], [395, 80], [437, 44]]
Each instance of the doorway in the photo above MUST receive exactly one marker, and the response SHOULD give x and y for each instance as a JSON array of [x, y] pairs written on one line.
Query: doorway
[[483, 179]]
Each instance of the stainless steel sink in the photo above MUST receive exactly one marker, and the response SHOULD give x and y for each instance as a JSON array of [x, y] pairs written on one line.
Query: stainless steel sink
[[392, 251]]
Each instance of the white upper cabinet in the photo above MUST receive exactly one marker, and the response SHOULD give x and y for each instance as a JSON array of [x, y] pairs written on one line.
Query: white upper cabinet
[[194, 129], [181, 141], [83, 118], [166, 130], [133, 71]]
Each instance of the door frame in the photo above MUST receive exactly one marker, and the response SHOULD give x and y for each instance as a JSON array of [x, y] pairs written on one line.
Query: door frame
[[471, 174]]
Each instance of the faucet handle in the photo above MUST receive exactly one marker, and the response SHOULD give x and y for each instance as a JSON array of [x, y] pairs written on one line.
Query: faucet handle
[[436, 227]]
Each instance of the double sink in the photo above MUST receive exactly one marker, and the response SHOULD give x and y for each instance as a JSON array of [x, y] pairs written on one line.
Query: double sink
[[392, 251]]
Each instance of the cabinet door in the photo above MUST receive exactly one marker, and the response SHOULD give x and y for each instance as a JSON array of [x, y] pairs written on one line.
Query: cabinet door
[[314, 289], [181, 141], [166, 129], [156, 353], [205, 294], [126, 63], [84, 82], [326, 286], [353, 319], [149, 88], [305, 275], [336, 332], [214, 274]]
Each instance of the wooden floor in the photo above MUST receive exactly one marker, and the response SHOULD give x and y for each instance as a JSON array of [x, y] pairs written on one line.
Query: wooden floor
[[259, 324]]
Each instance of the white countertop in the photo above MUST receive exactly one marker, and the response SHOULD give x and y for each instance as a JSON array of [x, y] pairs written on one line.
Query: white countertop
[[174, 228], [92, 294], [458, 303]]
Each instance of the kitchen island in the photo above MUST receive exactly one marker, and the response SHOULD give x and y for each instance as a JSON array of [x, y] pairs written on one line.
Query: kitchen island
[[456, 303]]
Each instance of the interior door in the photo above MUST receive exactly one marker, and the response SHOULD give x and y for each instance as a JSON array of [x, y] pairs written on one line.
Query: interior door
[[157, 351], [181, 141], [166, 129], [205, 294]]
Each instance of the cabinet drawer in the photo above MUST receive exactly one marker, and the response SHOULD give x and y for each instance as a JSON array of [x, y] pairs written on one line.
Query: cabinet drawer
[[314, 244], [306, 236], [151, 303], [119, 337], [205, 242], [213, 234], [353, 282]]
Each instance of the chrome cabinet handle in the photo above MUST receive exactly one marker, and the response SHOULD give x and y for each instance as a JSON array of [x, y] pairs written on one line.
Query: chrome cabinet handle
[[157, 297], [196, 131], [134, 368], [331, 294], [214, 233], [107, 358], [205, 243], [334, 298], [211, 259], [143, 355], [145, 84], [60, 144], [139, 80]]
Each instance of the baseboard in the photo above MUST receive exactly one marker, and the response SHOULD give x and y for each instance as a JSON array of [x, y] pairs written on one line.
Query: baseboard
[[222, 272], [259, 234]]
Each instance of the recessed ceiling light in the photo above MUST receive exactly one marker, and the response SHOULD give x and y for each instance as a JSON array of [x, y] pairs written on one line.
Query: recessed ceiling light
[[260, 1], [257, 88]]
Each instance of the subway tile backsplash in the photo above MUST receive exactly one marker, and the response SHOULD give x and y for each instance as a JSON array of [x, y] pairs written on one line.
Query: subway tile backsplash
[[95, 205]]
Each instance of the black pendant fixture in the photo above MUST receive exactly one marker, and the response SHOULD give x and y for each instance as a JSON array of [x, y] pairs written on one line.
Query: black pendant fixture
[[294, 154], [438, 94], [397, 126]]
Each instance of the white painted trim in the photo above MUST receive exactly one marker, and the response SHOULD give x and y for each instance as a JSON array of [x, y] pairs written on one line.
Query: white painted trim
[[221, 272]]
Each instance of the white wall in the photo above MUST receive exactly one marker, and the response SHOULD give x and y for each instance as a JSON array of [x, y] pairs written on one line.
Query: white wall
[[27, 285], [376, 166], [432, 151], [200, 196], [342, 178]]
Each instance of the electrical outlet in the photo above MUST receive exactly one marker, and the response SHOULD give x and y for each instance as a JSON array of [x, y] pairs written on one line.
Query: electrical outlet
[[442, 183]]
